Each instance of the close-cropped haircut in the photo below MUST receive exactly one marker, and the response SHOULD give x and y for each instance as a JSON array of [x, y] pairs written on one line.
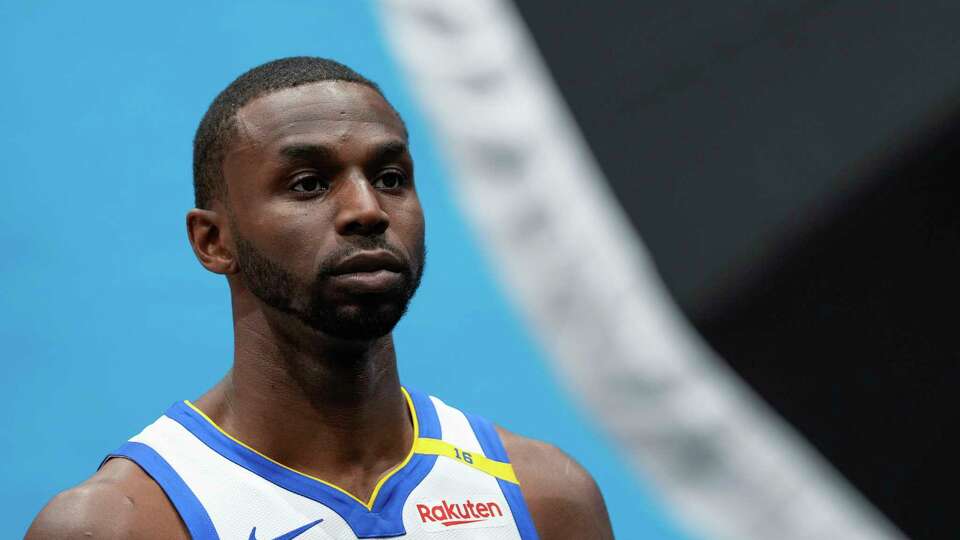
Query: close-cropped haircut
[[217, 128]]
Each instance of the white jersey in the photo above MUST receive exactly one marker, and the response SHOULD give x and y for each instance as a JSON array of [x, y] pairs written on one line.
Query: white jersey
[[456, 483]]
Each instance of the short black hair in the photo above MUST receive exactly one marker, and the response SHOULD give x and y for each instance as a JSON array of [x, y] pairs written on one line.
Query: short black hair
[[216, 129]]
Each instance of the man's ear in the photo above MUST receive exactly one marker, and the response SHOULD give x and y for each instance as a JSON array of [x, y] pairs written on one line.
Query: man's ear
[[209, 239]]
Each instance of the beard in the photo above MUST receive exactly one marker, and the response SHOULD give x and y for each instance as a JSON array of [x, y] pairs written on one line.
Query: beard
[[359, 317]]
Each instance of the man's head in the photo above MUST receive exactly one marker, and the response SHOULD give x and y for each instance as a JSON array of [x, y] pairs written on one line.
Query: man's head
[[305, 197], [218, 126]]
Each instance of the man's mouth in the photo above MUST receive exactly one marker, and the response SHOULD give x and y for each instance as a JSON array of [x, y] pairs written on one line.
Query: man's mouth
[[375, 281], [368, 262]]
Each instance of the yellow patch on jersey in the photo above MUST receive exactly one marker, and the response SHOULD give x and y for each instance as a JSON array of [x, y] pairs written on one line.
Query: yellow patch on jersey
[[499, 469]]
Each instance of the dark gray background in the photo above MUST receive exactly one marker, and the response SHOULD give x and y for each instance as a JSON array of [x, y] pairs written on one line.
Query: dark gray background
[[791, 167]]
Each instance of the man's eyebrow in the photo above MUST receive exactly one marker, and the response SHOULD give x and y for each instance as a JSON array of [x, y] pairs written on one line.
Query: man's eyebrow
[[307, 152], [390, 150], [311, 151]]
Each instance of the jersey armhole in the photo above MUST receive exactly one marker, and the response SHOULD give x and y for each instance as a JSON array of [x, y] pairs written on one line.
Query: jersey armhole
[[493, 448], [186, 503]]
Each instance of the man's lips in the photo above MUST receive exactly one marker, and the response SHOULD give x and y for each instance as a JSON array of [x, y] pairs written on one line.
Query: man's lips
[[368, 282], [368, 271], [368, 262]]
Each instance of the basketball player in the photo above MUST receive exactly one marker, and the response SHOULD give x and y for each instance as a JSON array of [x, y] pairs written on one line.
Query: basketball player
[[306, 203]]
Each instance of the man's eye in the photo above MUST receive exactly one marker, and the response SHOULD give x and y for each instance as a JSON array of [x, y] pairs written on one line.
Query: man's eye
[[389, 180], [310, 184]]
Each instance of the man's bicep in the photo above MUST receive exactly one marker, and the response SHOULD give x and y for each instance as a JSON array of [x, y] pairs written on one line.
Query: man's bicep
[[120, 501], [555, 485], [568, 490], [93, 510], [585, 503]]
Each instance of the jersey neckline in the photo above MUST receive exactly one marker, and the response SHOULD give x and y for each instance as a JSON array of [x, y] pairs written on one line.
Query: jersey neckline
[[379, 516]]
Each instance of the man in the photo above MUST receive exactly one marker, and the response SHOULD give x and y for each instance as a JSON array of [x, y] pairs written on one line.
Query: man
[[306, 203]]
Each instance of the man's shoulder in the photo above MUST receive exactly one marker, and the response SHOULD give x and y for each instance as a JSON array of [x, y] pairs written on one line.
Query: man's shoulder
[[119, 501], [554, 485]]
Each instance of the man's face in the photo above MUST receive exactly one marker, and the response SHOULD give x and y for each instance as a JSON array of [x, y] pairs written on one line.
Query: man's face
[[325, 219]]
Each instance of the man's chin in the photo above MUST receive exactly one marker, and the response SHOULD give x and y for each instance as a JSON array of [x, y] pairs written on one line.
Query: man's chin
[[364, 322]]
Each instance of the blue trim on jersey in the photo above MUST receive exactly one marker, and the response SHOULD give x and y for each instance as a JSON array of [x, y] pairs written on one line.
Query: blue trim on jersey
[[193, 514], [493, 448], [394, 493], [426, 415], [386, 517]]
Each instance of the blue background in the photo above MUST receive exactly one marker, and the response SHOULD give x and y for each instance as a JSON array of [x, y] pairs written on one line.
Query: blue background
[[107, 318]]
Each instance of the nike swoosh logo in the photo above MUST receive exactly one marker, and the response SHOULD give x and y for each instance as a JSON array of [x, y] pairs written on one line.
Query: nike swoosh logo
[[290, 535]]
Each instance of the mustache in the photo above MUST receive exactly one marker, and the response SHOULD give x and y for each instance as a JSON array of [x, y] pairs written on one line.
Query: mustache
[[361, 244]]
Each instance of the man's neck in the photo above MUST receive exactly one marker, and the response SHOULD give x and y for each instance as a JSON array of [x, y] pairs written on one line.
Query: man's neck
[[329, 408]]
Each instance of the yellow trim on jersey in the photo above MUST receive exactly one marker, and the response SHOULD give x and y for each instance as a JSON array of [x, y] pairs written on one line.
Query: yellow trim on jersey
[[499, 469], [380, 483]]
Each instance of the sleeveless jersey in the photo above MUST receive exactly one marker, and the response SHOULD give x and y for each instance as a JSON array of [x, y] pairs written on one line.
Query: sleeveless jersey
[[456, 483]]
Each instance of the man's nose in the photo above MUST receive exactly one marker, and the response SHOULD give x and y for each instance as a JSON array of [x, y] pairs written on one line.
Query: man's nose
[[359, 211]]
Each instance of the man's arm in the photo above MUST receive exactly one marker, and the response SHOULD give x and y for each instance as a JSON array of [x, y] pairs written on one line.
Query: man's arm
[[563, 498], [119, 501]]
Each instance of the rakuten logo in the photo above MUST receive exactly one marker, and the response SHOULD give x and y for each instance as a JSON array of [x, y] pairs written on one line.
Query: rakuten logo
[[451, 514]]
